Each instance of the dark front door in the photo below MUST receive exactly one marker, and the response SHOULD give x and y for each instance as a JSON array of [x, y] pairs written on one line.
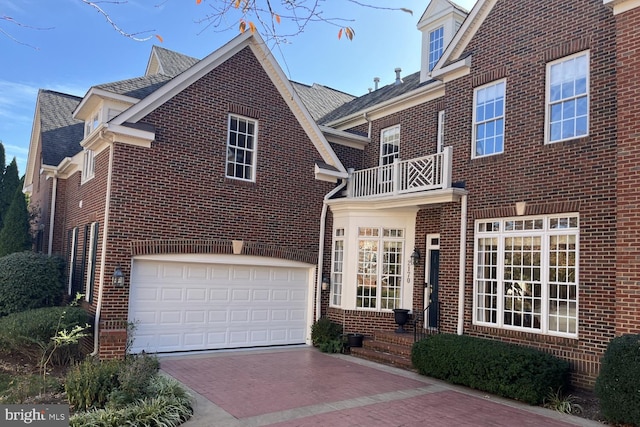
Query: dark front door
[[434, 266]]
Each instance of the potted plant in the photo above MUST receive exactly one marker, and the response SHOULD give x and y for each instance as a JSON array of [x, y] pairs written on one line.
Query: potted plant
[[401, 316]]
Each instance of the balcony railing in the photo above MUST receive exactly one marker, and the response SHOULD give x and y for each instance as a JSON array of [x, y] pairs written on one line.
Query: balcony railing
[[403, 176]]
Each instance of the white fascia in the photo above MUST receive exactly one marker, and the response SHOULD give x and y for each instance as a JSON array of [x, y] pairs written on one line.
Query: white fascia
[[620, 6], [346, 139], [131, 136], [94, 97], [402, 201], [418, 96]]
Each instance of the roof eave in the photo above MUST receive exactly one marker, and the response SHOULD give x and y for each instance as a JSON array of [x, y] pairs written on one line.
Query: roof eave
[[93, 98]]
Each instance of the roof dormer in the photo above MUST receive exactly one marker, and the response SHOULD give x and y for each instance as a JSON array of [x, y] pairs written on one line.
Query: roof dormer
[[438, 24]]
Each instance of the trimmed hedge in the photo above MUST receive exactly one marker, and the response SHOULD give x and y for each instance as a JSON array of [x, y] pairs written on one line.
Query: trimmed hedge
[[617, 386], [504, 369], [29, 280], [26, 332], [326, 335]]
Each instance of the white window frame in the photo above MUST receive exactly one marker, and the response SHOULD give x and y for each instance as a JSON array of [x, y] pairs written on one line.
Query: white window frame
[[440, 137], [234, 148], [586, 96], [337, 268], [72, 258], [389, 136], [380, 236], [91, 259], [551, 227], [92, 124], [88, 165], [478, 121], [436, 46]]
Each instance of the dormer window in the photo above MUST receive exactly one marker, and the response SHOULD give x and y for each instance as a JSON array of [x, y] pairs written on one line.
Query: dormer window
[[88, 166], [436, 46], [92, 124]]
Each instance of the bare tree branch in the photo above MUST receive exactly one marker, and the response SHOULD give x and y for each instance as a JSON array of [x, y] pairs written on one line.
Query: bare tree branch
[[132, 36], [19, 24]]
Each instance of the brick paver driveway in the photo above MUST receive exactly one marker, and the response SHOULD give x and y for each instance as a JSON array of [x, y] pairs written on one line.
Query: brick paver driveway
[[303, 387]]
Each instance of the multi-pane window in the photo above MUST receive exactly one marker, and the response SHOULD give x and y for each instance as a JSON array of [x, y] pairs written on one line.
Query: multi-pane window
[[389, 145], [92, 124], [525, 274], [91, 261], [88, 165], [440, 138], [337, 270], [72, 242], [488, 119], [241, 148], [380, 272], [436, 46], [568, 98]]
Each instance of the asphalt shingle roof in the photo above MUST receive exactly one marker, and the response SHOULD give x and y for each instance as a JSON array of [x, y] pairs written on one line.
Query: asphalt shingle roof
[[61, 133], [138, 87], [385, 93], [173, 63], [319, 99]]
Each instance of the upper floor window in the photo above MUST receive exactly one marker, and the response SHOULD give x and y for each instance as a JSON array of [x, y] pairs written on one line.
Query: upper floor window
[[88, 166], [92, 124], [440, 140], [568, 98], [241, 148], [436, 46], [389, 145], [488, 119]]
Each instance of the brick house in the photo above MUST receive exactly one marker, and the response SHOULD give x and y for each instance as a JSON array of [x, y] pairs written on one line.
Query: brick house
[[491, 193], [508, 162]]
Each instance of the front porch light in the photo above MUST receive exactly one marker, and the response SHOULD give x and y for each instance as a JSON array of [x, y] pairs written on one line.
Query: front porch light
[[415, 257], [118, 277], [325, 283]]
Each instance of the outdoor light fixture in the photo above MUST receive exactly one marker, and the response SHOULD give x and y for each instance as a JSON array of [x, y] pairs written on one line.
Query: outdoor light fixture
[[325, 283], [118, 277], [415, 257]]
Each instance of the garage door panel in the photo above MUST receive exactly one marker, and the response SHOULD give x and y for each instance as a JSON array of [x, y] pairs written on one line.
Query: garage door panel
[[179, 307]]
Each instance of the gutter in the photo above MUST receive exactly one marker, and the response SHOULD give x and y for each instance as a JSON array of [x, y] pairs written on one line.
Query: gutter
[[103, 255], [462, 267], [323, 218]]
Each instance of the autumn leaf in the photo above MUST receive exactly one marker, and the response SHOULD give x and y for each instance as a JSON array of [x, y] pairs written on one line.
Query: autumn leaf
[[252, 27], [159, 37], [277, 17], [340, 34], [243, 26], [409, 11], [237, 5], [198, 1]]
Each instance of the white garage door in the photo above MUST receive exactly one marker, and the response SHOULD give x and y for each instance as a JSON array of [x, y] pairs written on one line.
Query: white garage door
[[192, 306]]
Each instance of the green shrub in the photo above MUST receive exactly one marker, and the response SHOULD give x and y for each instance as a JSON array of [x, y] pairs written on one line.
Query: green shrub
[[27, 332], [89, 384], [134, 377], [29, 280], [170, 406], [326, 335], [617, 385], [507, 370]]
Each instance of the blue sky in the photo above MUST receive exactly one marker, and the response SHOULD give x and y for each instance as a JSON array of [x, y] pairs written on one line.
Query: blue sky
[[70, 47]]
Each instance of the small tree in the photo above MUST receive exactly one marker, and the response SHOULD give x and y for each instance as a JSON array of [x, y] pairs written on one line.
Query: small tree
[[8, 185], [15, 233]]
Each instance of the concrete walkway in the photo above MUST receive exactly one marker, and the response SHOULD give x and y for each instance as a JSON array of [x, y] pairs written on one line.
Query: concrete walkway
[[302, 387]]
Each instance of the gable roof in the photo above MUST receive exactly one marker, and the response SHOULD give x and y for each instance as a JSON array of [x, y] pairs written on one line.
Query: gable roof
[[61, 133], [321, 100], [264, 56], [435, 8], [168, 62], [138, 87], [378, 96]]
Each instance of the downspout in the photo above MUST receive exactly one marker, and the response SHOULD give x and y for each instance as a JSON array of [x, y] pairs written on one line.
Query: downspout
[[366, 117], [52, 213], [323, 218], [103, 255], [463, 256]]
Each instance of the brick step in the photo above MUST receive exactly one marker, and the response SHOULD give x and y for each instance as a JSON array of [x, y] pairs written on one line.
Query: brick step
[[403, 362], [388, 347], [393, 338]]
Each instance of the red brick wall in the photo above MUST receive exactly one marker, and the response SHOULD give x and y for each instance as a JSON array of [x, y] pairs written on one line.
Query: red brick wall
[[628, 215], [577, 175], [177, 188]]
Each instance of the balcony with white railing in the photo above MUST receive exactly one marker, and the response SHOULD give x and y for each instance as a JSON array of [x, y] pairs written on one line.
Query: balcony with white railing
[[403, 176]]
